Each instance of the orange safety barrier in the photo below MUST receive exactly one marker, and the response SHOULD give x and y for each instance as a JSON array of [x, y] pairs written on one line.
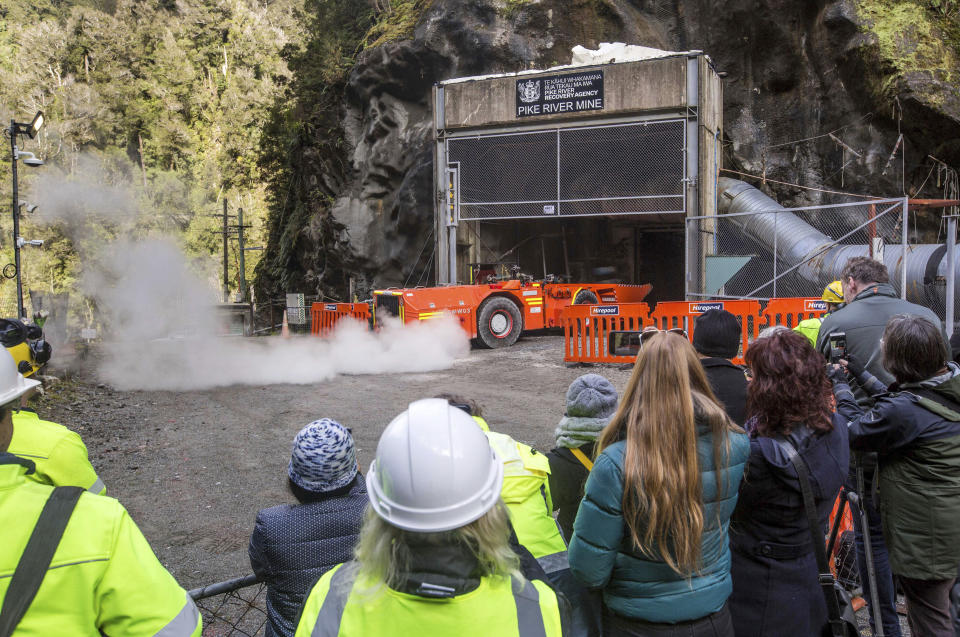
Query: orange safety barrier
[[325, 316], [672, 314], [790, 311], [586, 330]]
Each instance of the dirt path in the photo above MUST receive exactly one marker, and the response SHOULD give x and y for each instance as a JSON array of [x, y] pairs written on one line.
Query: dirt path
[[193, 468]]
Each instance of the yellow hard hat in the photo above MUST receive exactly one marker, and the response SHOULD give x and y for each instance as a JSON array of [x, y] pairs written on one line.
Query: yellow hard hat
[[833, 293]]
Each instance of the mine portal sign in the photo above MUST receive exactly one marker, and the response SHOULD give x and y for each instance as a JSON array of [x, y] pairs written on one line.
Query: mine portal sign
[[551, 94]]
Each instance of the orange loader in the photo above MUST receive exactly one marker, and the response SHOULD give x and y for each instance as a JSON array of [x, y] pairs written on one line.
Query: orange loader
[[495, 312]]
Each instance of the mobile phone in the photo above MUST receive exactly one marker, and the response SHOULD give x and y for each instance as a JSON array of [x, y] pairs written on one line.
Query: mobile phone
[[838, 347]]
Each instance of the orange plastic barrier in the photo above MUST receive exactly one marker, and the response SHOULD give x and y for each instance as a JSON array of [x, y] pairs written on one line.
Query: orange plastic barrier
[[325, 316], [790, 311], [671, 314], [586, 330]]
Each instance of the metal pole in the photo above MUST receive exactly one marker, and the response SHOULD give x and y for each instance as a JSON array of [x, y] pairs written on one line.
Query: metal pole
[[21, 312], [775, 256], [951, 270], [243, 264], [903, 250], [868, 548], [226, 285]]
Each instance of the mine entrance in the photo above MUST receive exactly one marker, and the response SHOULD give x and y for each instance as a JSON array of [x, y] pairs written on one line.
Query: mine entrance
[[595, 203]]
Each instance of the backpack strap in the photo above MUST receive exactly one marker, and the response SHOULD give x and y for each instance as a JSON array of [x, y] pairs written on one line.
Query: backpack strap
[[825, 577], [36, 558], [582, 457]]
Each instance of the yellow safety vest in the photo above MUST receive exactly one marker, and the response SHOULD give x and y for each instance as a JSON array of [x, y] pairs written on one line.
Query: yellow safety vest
[[810, 328], [58, 453], [500, 606], [103, 579], [526, 492]]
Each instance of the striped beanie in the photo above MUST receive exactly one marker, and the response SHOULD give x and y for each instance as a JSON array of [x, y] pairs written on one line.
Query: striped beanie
[[323, 457]]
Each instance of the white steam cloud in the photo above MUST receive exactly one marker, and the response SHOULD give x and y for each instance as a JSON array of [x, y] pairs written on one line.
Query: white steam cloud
[[164, 332]]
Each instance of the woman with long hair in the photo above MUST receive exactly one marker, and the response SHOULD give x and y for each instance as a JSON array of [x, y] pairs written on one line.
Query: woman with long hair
[[652, 529], [775, 585]]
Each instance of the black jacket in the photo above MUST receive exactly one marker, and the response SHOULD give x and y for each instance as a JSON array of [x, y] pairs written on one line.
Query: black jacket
[[729, 385], [775, 588], [863, 320], [567, 477], [294, 544]]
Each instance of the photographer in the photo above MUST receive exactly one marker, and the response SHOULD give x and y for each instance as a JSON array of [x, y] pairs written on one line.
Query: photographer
[[916, 430]]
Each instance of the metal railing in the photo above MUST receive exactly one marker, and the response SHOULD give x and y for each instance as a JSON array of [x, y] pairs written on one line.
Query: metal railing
[[234, 607]]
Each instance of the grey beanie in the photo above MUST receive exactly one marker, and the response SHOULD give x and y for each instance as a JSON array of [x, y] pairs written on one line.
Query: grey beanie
[[591, 396], [323, 457]]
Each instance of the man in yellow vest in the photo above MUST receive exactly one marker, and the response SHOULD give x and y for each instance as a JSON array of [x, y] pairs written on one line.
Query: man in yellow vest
[[74, 563], [58, 454], [433, 556], [526, 492], [833, 297]]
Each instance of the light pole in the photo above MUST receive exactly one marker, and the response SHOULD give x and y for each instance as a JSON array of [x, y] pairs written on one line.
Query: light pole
[[19, 128]]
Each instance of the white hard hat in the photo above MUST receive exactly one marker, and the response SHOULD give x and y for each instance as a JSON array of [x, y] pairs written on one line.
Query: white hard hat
[[12, 383], [434, 470]]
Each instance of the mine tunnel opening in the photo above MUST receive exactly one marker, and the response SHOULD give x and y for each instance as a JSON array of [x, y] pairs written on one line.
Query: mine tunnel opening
[[635, 250]]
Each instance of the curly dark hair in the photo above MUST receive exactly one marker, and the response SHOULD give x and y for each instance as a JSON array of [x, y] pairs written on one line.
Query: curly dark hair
[[789, 386]]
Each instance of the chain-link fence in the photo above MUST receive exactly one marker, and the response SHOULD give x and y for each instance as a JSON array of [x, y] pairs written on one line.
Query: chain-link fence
[[759, 250], [571, 171], [232, 608]]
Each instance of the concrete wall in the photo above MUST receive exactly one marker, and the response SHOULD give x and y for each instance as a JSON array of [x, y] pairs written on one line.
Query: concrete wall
[[629, 87]]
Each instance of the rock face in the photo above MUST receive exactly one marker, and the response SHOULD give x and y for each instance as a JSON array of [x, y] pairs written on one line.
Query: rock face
[[795, 71]]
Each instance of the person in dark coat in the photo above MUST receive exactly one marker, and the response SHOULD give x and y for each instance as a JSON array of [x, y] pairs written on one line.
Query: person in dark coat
[[591, 401], [916, 430], [716, 337], [775, 579], [294, 544]]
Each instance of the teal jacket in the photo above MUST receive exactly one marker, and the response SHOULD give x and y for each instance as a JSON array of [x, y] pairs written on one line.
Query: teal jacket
[[639, 587]]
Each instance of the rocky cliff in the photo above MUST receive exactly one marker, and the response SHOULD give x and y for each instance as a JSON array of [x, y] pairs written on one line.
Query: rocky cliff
[[865, 71]]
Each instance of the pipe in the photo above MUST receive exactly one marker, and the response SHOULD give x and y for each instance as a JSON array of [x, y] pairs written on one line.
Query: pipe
[[801, 248]]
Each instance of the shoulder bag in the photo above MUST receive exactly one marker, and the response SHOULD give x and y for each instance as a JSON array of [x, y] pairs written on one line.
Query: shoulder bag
[[840, 615]]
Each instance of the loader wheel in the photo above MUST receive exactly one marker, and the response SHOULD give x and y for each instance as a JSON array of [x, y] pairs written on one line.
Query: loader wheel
[[499, 323], [585, 297]]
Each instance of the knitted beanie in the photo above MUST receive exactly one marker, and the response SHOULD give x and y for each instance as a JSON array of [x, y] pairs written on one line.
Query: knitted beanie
[[591, 396], [323, 457], [717, 333]]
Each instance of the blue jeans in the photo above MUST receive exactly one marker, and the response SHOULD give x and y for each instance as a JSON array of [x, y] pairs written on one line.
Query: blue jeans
[[886, 592]]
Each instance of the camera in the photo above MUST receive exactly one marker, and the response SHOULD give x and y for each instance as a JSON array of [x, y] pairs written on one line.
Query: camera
[[838, 347]]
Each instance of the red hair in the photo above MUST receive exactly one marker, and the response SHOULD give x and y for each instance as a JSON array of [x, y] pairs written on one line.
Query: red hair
[[789, 387]]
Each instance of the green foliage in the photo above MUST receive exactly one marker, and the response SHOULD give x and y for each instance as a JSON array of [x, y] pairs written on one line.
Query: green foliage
[[168, 100], [914, 36], [397, 19]]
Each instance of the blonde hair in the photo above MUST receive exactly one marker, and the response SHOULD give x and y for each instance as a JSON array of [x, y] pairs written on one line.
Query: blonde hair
[[383, 554], [662, 492]]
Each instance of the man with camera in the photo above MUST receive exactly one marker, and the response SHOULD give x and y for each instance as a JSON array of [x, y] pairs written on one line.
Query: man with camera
[[854, 332], [871, 302]]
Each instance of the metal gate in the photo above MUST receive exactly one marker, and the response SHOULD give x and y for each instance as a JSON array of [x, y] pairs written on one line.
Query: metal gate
[[611, 169]]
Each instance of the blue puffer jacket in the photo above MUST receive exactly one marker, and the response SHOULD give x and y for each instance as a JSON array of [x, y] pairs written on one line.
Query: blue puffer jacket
[[294, 544], [638, 587]]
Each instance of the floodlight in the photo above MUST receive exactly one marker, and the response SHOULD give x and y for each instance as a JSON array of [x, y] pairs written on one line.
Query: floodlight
[[35, 125], [29, 207], [31, 242]]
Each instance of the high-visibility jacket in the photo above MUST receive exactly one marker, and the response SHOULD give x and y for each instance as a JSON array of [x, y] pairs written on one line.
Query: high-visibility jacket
[[526, 492], [810, 328], [58, 453], [500, 606], [103, 579]]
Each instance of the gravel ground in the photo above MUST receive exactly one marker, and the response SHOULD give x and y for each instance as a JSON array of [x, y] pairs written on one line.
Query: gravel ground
[[193, 468]]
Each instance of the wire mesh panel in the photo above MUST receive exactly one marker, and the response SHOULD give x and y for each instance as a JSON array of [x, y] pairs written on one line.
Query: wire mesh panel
[[794, 252], [232, 608], [613, 169]]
